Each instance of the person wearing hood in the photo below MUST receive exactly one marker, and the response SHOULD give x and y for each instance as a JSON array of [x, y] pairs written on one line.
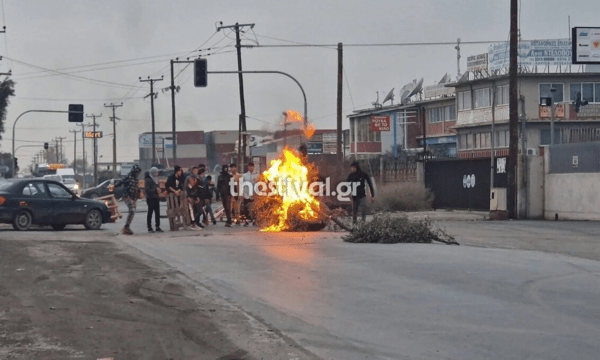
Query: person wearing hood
[[152, 199], [131, 193], [358, 178], [224, 190]]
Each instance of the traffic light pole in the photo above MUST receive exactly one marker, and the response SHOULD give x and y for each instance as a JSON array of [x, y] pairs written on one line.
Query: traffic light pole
[[15, 123]]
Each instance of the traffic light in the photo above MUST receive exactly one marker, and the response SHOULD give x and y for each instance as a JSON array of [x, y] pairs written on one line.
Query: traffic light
[[16, 165], [579, 103], [75, 113], [45, 146], [200, 73]]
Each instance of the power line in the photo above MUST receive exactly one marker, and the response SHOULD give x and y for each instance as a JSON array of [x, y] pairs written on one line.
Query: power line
[[55, 99], [378, 45]]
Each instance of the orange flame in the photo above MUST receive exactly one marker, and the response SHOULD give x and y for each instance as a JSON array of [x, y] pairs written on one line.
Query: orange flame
[[291, 178], [294, 116]]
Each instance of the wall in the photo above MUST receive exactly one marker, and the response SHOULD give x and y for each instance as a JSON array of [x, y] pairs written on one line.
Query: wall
[[573, 196]]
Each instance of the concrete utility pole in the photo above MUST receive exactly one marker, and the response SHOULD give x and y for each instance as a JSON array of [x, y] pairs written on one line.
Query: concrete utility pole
[[173, 131], [340, 155], [242, 126], [513, 124], [75, 132], [83, 183], [152, 81], [114, 121], [94, 116], [62, 155]]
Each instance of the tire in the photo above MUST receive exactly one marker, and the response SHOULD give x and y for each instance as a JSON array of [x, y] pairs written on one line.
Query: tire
[[22, 221], [93, 220], [58, 227]]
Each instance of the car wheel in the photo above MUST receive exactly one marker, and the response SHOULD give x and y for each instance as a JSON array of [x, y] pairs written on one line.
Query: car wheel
[[22, 220], [58, 227], [93, 220]]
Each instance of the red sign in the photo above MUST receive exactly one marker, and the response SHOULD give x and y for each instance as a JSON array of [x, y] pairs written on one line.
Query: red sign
[[380, 123]]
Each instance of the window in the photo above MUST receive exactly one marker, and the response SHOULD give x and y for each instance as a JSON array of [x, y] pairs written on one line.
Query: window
[[589, 91], [502, 95], [557, 96], [450, 113], [483, 98], [501, 139], [439, 114], [469, 141], [463, 142], [34, 189], [464, 100], [58, 191]]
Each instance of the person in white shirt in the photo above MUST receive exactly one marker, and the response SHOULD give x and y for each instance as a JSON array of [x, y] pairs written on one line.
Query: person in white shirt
[[249, 179]]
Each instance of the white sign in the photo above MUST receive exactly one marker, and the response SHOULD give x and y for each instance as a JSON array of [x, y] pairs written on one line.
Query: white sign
[[482, 115], [329, 137], [432, 91], [587, 45], [501, 166], [469, 181], [477, 62], [532, 53], [146, 141]]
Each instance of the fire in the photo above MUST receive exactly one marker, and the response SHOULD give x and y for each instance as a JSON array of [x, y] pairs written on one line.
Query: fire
[[292, 116], [290, 199]]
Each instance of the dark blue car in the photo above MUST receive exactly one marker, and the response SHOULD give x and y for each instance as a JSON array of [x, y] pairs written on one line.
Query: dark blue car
[[45, 202]]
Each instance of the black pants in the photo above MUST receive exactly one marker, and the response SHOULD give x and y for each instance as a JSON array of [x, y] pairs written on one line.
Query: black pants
[[226, 198], [247, 211], [153, 206]]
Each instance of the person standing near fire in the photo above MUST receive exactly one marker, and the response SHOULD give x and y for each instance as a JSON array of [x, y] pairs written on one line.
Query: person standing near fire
[[237, 197], [358, 178], [224, 190], [174, 182], [131, 193], [152, 199], [249, 178], [192, 192]]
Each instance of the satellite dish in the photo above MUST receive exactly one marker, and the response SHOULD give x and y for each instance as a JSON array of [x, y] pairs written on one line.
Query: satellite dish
[[389, 96], [445, 79], [409, 90]]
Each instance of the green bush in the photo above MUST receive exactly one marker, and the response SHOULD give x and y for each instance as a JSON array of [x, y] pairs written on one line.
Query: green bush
[[403, 196], [384, 229]]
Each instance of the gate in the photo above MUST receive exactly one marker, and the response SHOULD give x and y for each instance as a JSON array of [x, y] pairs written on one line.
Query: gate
[[464, 183]]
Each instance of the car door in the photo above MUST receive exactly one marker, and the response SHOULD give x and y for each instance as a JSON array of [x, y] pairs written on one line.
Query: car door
[[34, 197], [66, 208]]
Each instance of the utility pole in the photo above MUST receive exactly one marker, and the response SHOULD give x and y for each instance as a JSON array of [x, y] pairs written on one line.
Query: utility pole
[[114, 121], [62, 155], [75, 132], [174, 131], [513, 124], [152, 81], [242, 126], [94, 116], [83, 183], [340, 155]]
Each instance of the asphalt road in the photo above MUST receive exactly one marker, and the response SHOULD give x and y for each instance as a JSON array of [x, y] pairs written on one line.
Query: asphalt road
[[404, 301]]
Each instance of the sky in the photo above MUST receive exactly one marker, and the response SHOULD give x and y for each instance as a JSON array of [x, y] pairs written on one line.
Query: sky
[[93, 52]]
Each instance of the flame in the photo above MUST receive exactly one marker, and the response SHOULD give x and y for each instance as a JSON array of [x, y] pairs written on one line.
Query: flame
[[292, 116], [290, 178]]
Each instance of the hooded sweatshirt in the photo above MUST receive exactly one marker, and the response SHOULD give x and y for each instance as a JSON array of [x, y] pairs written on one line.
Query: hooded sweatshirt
[[131, 188], [361, 178], [151, 186]]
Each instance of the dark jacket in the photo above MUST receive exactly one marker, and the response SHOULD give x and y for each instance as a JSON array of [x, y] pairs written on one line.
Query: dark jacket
[[208, 192], [151, 188], [223, 183], [173, 182], [361, 178], [131, 187]]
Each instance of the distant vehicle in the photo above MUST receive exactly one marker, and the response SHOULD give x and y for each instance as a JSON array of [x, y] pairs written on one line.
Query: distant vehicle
[[53, 177], [104, 190], [46, 202], [68, 178]]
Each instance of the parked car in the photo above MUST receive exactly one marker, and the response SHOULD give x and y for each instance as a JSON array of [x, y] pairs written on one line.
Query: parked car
[[27, 202], [104, 189]]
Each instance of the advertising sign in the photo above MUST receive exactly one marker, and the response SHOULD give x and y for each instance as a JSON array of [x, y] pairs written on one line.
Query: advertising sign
[[477, 62], [315, 148], [532, 53], [586, 45], [146, 141], [380, 123], [92, 134]]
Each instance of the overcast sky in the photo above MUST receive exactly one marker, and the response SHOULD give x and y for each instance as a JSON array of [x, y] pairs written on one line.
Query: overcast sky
[[91, 39]]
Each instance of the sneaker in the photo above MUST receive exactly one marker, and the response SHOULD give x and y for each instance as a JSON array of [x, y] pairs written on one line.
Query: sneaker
[[246, 224], [214, 222], [127, 231], [159, 230], [150, 230], [200, 225], [227, 225]]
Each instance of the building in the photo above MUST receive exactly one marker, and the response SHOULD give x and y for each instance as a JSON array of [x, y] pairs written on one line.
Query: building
[[191, 149]]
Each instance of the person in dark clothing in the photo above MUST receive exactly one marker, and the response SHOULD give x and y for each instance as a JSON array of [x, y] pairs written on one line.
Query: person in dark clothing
[[358, 178], [209, 190], [152, 199], [224, 191], [131, 193], [174, 182]]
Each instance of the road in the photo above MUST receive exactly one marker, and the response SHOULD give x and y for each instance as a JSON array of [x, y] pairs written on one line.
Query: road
[[405, 301]]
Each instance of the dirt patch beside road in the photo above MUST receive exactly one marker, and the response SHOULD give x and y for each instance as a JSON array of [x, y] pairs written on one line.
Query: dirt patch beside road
[[89, 300]]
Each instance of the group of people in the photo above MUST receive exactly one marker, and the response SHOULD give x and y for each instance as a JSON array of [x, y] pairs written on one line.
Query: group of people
[[199, 189]]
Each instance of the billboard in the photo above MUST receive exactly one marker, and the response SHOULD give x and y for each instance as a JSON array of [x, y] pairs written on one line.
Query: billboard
[[532, 53], [380, 123], [586, 45], [477, 62], [146, 141]]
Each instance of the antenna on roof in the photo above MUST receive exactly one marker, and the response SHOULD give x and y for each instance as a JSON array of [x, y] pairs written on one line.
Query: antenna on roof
[[376, 103]]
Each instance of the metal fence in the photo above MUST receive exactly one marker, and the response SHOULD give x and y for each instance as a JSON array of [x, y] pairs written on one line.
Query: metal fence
[[575, 158]]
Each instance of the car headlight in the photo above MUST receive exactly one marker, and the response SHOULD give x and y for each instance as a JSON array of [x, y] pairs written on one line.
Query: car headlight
[[76, 187]]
